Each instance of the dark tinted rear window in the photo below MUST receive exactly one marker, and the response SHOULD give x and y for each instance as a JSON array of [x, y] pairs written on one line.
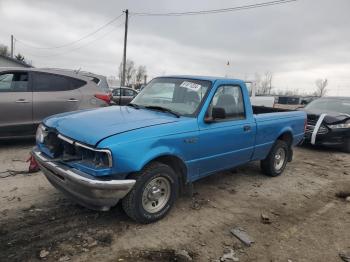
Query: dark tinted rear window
[[43, 82], [100, 82], [93, 79]]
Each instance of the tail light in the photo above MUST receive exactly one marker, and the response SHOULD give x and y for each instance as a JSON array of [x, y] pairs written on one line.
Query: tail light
[[104, 97]]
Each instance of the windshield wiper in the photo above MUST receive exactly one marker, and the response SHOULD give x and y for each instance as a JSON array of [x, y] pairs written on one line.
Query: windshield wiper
[[134, 105], [164, 109]]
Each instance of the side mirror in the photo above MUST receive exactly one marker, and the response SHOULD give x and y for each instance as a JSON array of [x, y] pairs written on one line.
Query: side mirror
[[216, 113]]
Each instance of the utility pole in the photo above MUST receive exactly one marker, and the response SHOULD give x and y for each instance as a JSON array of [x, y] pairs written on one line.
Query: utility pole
[[12, 45], [125, 41]]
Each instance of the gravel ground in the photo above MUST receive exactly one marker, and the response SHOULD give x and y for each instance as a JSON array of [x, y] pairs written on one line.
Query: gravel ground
[[304, 220]]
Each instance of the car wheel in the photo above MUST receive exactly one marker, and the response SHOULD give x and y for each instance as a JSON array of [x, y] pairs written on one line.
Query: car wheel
[[276, 161], [153, 194]]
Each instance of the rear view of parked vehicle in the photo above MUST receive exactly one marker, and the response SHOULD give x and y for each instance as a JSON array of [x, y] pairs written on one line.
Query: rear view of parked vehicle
[[123, 95], [27, 96], [328, 122]]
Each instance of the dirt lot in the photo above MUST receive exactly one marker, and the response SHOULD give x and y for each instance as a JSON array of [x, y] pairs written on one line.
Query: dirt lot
[[308, 222]]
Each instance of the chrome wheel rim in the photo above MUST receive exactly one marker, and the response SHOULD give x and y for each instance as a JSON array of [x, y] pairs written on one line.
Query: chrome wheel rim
[[280, 157], [156, 194]]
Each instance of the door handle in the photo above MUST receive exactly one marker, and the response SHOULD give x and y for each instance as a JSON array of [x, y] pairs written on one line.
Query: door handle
[[22, 101], [72, 100], [246, 128]]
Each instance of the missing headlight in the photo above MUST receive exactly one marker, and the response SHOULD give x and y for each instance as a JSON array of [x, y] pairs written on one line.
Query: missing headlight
[[100, 158]]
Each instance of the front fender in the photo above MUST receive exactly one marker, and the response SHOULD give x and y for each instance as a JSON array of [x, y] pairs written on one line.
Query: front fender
[[159, 152], [134, 155]]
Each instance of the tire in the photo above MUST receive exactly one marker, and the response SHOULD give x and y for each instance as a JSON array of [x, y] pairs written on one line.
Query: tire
[[153, 194], [271, 166]]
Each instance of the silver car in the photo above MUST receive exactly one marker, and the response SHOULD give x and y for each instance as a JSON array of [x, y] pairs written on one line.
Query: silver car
[[28, 95], [123, 95]]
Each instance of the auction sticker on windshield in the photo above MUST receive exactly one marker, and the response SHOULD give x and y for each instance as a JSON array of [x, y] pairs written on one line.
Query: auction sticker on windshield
[[190, 85]]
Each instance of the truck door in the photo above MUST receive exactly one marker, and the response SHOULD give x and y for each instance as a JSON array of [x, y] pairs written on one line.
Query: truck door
[[229, 141], [15, 104]]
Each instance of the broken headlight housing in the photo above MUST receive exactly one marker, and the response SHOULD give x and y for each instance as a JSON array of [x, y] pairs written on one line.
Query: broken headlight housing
[[99, 158]]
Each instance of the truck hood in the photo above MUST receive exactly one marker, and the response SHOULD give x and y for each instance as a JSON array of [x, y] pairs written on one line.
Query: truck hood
[[92, 126]]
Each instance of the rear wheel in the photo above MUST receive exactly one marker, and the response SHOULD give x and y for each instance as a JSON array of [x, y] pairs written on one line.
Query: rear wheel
[[276, 161], [153, 195]]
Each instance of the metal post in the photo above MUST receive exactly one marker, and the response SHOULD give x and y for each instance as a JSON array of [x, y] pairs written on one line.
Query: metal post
[[12, 46], [125, 42]]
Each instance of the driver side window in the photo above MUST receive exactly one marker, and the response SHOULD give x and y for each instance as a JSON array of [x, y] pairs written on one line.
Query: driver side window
[[228, 99]]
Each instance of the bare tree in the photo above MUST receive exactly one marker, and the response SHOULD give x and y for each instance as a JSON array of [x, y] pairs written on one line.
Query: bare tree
[[4, 50], [140, 73], [263, 84], [129, 72], [20, 57], [120, 72], [321, 85], [287, 92], [132, 75], [267, 83]]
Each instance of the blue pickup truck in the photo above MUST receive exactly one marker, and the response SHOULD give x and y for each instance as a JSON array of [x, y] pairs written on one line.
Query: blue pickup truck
[[177, 130]]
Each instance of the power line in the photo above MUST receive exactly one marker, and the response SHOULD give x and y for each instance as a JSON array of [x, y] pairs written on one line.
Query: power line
[[75, 41], [215, 11], [187, 13], [201, 12], [81, 46]]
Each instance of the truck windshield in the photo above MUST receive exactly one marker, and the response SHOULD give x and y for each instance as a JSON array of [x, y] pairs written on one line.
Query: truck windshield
[[179, 95]]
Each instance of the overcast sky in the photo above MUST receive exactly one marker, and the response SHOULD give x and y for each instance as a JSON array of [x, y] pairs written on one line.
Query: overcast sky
[[299, 42]]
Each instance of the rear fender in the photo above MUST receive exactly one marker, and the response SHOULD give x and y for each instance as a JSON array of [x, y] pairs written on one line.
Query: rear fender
[[286, 131], [287, 134]]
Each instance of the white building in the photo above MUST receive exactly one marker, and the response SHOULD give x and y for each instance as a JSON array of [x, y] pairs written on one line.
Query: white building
[[6, 61]]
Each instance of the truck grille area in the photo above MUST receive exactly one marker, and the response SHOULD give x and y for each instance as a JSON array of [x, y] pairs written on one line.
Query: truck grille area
[[311, 126], [67, 150], [53, 144]]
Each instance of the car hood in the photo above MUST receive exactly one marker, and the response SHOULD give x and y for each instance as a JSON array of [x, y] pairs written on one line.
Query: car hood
[[330, 118], [91, 126]]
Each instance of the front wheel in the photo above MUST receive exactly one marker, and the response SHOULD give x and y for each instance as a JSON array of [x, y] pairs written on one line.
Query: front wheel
[[153, 194], [276, 161]]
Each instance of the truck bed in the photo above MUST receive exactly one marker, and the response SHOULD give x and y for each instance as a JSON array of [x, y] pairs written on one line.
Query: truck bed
[[271, 123], [264, 110]]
